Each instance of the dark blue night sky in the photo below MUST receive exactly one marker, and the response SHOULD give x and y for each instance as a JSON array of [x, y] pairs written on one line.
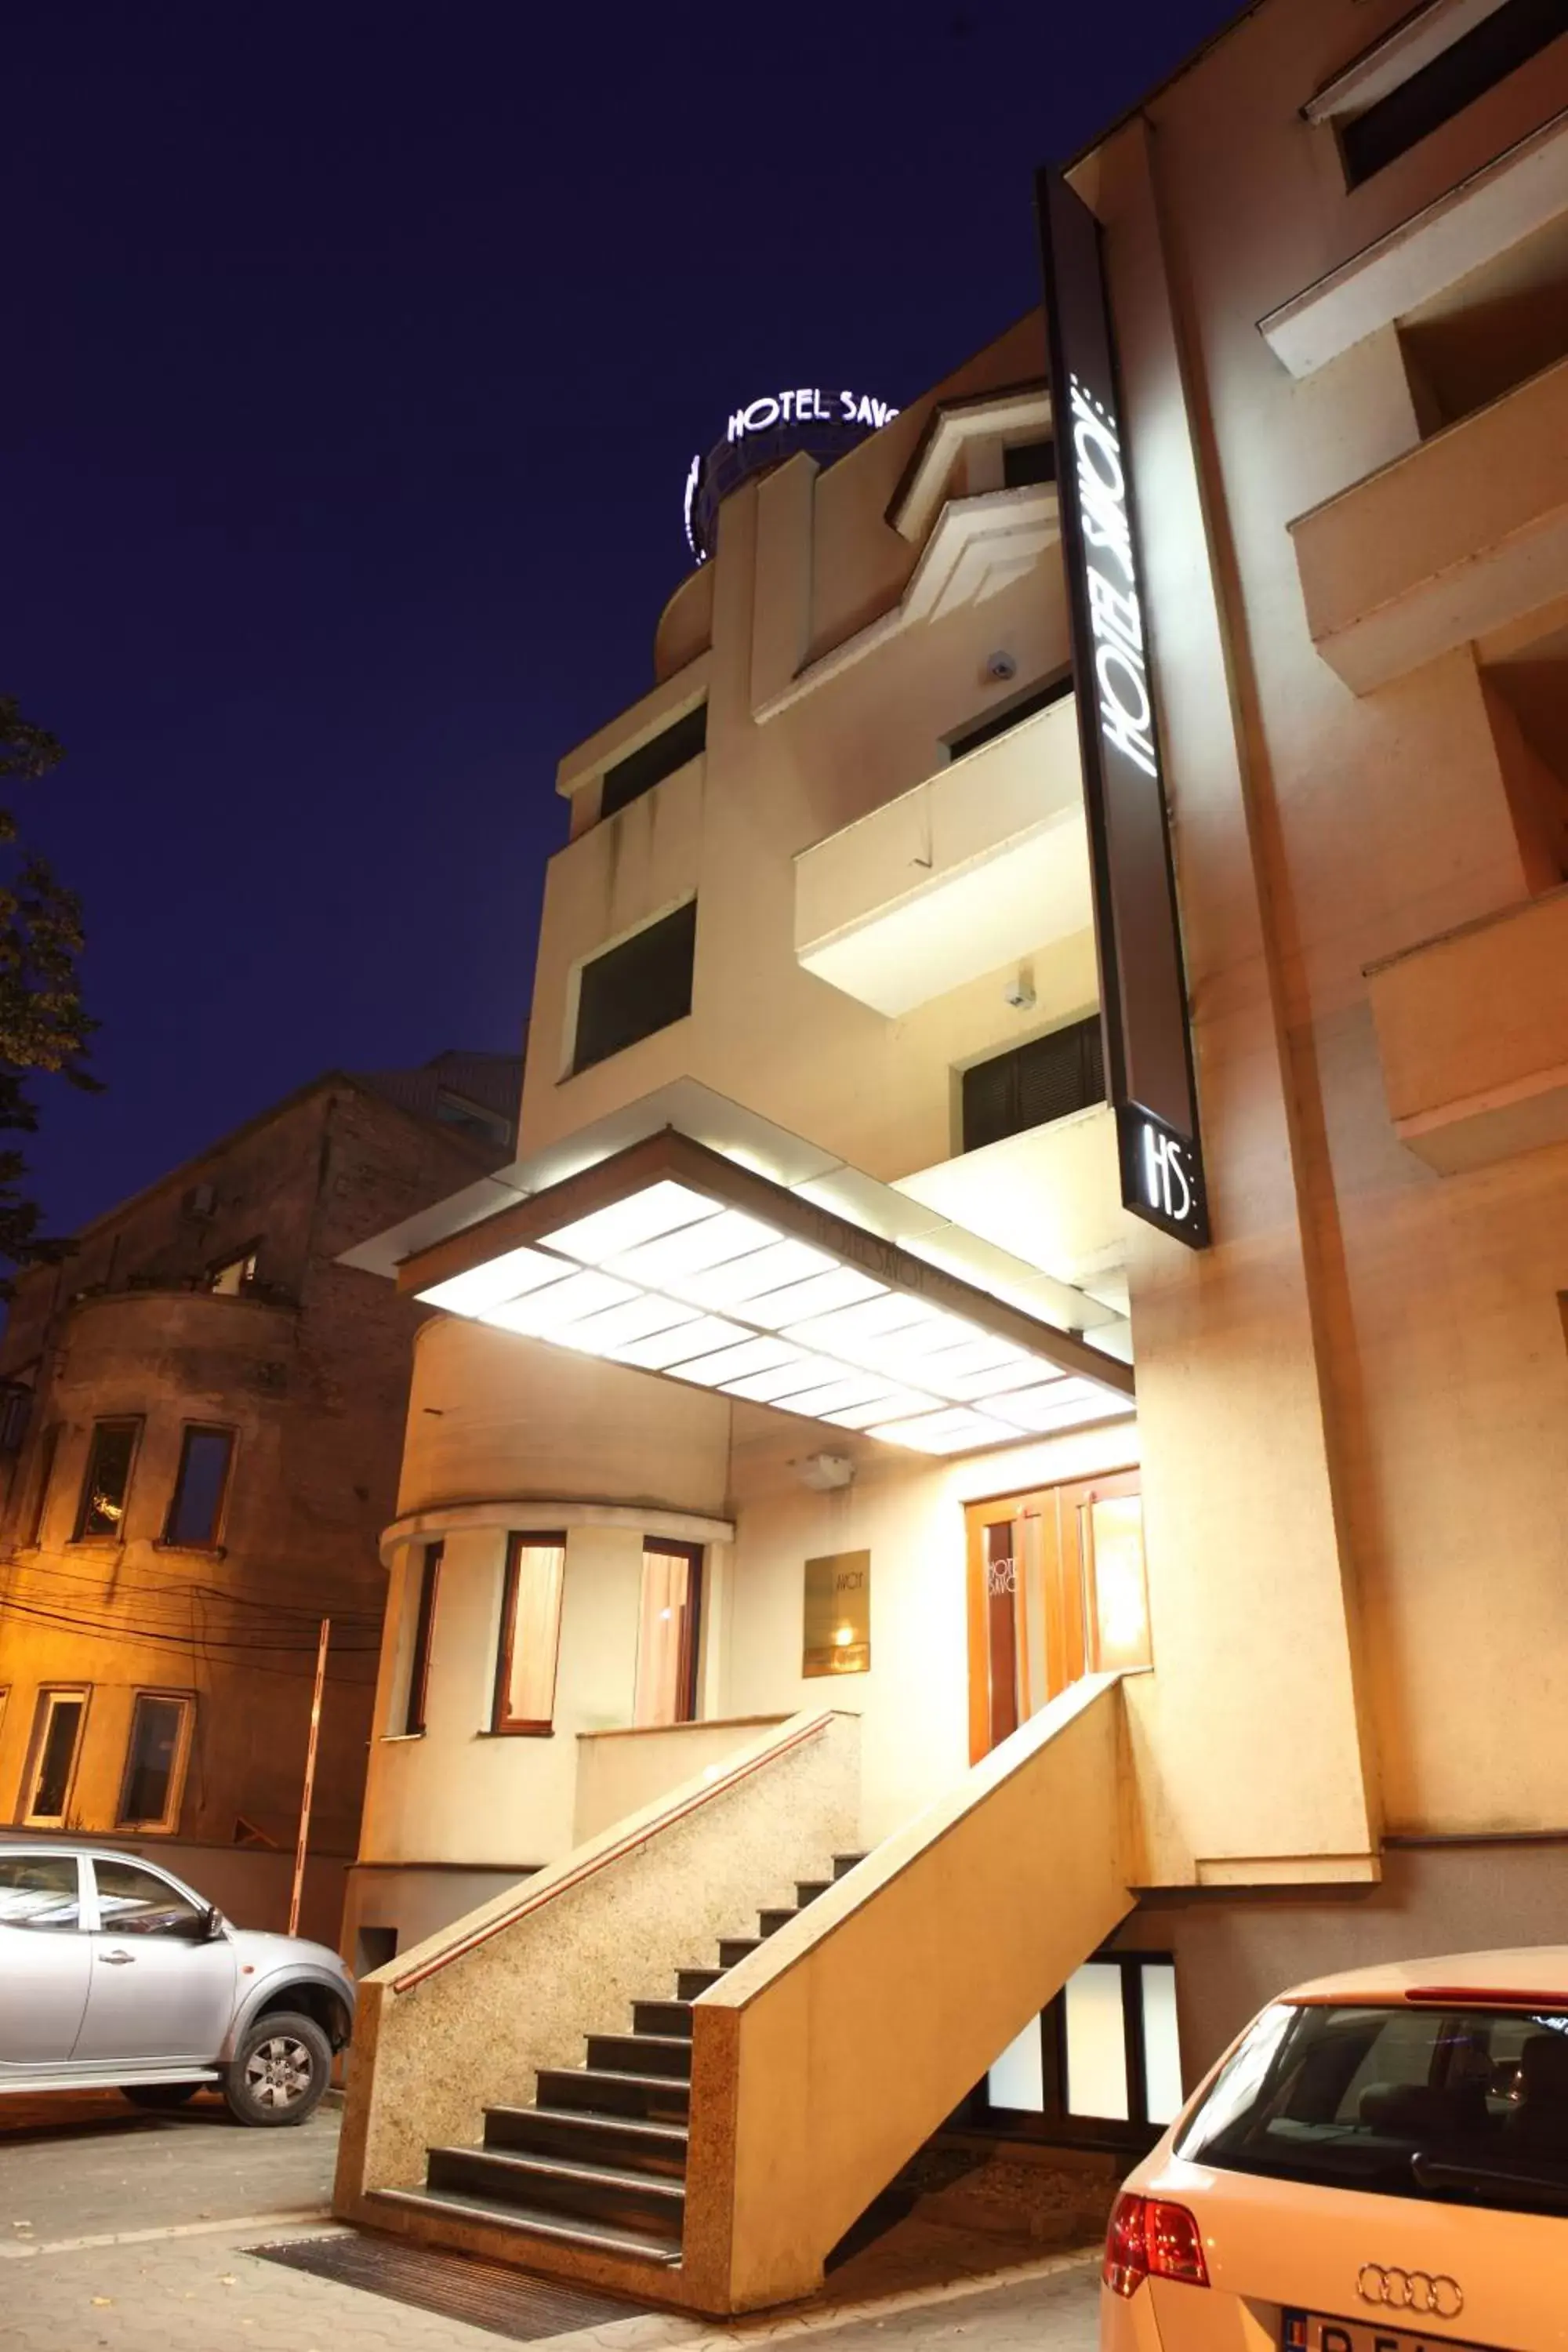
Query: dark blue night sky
[[355, 356]]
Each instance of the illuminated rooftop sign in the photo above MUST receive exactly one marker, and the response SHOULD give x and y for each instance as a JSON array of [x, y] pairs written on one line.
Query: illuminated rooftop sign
[[763, 433], [809, 405]]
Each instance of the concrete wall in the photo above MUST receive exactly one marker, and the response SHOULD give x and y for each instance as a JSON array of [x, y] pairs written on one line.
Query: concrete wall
[[823, 2061], [1235, 1952], [879, 1092], [1354, 1411]]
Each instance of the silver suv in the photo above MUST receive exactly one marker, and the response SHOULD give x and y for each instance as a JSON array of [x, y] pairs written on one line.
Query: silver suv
[[114, 1974]]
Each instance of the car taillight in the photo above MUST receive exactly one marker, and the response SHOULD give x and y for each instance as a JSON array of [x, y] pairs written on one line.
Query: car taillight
[[1149, 2237]]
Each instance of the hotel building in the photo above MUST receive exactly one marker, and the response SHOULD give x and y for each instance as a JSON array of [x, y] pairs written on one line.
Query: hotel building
[[888, 1617]]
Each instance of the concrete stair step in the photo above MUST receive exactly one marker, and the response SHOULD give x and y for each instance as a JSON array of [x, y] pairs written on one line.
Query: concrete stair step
[[668, 2019], [581, 2136], [587, 2195], [807, 1890], [641, 2054], [553, 2229], [769, 1922], [732, 1950], [615, 2091], [843, 1864], [689, 1982]]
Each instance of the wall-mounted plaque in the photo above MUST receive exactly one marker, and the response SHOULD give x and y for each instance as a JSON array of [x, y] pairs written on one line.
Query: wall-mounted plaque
[[837, 1638]]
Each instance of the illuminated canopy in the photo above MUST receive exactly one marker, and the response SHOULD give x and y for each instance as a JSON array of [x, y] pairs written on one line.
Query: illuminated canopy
[[674, 1259]]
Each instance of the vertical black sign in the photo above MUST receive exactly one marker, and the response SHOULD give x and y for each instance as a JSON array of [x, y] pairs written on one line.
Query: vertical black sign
[[1142, 991]]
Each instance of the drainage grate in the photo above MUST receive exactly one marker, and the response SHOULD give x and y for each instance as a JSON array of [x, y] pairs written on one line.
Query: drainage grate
[[491, 2295]]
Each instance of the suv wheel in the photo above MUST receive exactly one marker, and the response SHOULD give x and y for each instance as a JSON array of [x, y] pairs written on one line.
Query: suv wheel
[[280, 2071]]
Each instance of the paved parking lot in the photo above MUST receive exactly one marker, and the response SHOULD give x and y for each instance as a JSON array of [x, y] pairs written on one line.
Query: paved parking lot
[[128, 2232]]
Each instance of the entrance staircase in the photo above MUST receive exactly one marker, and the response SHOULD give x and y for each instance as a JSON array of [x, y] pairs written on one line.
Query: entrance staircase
[[598, 2161], [710, 2160]]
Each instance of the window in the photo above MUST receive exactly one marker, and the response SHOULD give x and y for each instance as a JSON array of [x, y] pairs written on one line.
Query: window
[[668, 1630], [15, 1404], [233, 1275], [1103, 2063], [530, 1633], [1458, 75], [651, 763], [155, 1761], [39, 1890], [1465, 2104], [136, 1902], [473, 1118], [1010, 715], [101, 1514], [429, 1579], [637, 988], [51, 1762], [196, 1507], [1027, 462], [1050, 1078], [48, 1445]]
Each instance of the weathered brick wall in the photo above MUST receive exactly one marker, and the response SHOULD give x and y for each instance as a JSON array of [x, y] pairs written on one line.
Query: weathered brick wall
[[311, 1373]]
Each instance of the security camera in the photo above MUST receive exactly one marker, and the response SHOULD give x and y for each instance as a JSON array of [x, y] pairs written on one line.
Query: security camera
[[1001, 667], [822, 1473]]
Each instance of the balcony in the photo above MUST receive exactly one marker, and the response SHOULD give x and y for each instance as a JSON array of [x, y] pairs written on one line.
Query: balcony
[[1051, 1195], [983, 863], [1462, 536], [1473, 1033]]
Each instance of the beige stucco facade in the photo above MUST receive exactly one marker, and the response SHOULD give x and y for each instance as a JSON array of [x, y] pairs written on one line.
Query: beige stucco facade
[[1350, 1431]]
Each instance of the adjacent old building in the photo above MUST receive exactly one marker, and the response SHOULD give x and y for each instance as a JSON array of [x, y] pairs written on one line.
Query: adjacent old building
[[990, 1488], [201, 1423]]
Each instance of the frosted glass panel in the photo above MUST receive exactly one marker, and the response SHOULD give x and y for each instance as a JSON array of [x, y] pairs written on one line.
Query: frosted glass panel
[[1097, 2043], [1161, 2053], [1017, 2079]]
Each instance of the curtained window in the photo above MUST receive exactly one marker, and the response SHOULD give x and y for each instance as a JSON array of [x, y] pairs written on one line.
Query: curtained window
[[530, 1633]]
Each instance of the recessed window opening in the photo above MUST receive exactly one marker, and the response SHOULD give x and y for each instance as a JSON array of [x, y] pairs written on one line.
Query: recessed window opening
[[651, 763], [233, 1275], [637, 988], [1454, 80], [1025, 463], [195, 1508], [1050, 1078], [428, 1575], [473, 1118], [1102, 2064], [101, 1512], [51, 1765], [668, 1628], [1011, 714], [15, 1403], [530, 1633], [155, 1760]]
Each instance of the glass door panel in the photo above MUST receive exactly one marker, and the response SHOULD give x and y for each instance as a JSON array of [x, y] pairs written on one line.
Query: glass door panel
[[1055, 1591]]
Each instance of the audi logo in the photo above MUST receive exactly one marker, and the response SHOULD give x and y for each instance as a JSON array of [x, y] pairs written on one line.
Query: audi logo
[[1436, 2298]]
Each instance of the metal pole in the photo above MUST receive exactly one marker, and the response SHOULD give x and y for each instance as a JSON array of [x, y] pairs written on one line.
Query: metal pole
[[309, 1787]]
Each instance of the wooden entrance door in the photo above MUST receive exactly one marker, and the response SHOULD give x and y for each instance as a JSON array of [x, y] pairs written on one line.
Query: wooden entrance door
[[1055, 1591]]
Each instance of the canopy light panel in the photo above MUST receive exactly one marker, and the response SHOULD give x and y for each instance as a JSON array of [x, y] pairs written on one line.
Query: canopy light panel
[[673, 1259]]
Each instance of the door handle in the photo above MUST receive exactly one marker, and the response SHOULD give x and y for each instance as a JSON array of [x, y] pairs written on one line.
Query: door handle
[[116, 1959]]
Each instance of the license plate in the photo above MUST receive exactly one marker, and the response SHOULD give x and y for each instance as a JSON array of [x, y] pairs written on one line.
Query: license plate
[[1312, 2331]]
